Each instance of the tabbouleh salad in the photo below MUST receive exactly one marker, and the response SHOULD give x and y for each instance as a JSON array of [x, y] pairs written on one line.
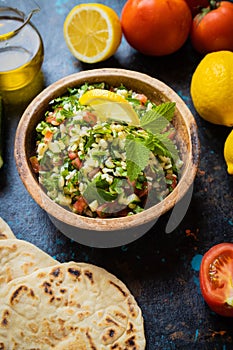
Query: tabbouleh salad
[[106, 169]]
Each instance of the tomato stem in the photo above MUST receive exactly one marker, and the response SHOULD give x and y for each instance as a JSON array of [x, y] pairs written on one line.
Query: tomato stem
[[213, 4]]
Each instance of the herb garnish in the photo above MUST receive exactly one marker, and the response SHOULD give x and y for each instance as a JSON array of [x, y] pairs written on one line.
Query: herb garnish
[[138, 150]]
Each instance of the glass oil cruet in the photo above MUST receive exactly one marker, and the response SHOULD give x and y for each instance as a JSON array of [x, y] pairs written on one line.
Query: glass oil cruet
[[21, 46]]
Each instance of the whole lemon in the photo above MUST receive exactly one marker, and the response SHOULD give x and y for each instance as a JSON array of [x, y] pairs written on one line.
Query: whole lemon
[[212, 88], [228, 153]]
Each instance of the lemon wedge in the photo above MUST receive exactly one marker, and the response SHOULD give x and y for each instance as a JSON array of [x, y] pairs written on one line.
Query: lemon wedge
[[92, 32], [110, 105]]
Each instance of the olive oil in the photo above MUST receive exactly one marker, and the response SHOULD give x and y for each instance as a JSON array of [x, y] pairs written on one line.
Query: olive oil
[[21, 55]]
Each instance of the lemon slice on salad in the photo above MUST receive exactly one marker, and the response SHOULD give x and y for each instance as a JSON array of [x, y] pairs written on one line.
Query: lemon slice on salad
[[110, 105]]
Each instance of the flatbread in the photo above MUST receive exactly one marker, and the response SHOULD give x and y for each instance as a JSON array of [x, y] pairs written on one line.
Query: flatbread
[[20, 258], [70, 306], [5, 230]]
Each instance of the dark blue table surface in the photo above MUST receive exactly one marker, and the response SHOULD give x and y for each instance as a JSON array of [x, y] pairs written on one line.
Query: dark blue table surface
[[160, 269]]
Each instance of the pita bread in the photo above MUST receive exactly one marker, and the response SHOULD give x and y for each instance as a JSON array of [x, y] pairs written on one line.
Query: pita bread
[[5, 230], [20, 258], [70, 306]]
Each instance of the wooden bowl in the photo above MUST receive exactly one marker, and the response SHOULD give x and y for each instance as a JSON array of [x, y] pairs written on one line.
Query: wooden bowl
[[108, 232]]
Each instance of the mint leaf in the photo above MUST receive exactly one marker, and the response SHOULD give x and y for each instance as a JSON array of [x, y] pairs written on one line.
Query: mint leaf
[[137, 157], [133, 170], [166, 109], [93, 192], [158, 118], [169, 147]]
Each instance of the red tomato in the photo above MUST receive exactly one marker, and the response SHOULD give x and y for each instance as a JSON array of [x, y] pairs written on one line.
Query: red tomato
[[213, 31], [196, 5], [142, 98], [77, 163], [156, 27], [72, 155], [216, 275], [48, 136], [90, 118], [80, 205]]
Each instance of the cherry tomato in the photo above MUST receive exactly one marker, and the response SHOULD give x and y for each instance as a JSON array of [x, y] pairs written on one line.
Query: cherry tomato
[[196, 5], [216, 276], [212, 30], [156, 27]]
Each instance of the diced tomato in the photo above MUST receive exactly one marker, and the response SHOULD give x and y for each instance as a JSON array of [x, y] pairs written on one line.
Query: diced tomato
[[48, 136], [35, 164], [80, 205], [76, 162], [72, 155], [90, 118], [123, 212], [142, 98], [52, 118]]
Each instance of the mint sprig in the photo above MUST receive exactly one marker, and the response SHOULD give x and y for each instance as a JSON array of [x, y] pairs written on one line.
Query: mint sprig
[[138, 150]]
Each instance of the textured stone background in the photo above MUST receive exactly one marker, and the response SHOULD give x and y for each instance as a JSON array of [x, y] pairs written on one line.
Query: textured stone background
[[160, 269]]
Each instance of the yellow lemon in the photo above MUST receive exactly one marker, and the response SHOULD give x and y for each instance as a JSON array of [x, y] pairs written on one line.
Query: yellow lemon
[[96, 96], [110, 105], [212, 88], [228, 153], [92, 32]]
